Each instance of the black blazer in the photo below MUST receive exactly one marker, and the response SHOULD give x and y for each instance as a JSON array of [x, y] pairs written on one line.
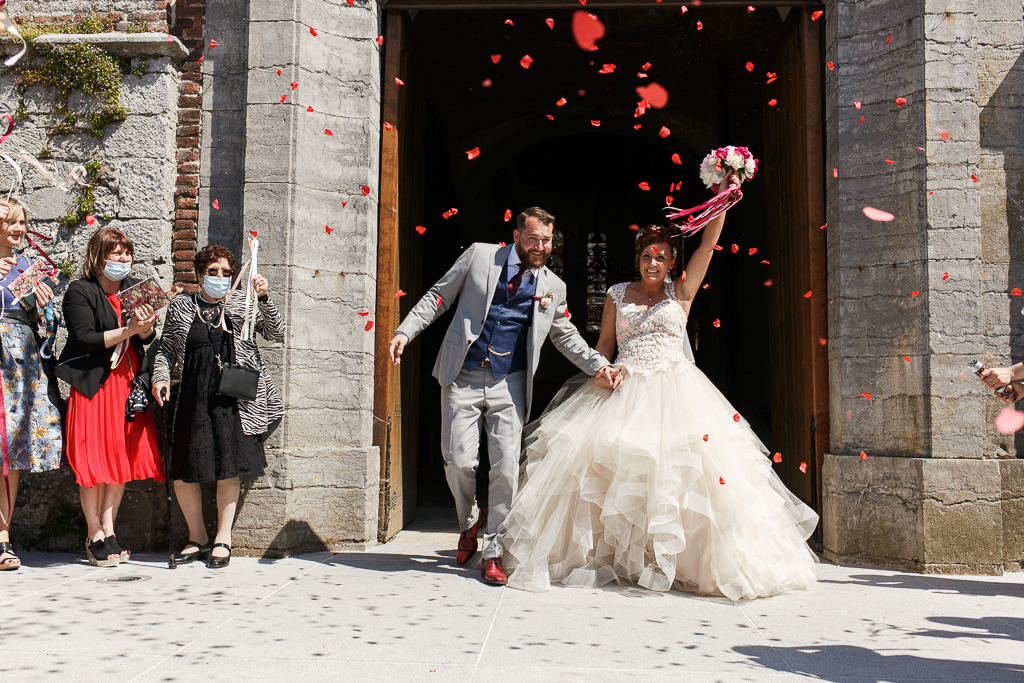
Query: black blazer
[[85, 361]]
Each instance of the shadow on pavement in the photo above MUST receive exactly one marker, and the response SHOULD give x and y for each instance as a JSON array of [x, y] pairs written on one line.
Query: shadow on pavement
[[846, 662], [997, 628], [931, 582]]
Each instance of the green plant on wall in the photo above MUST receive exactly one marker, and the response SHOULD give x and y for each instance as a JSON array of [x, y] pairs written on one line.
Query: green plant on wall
[[86, 204], [85, 68]]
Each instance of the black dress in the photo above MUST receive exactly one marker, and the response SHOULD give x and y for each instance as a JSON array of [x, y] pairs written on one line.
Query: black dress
[[209, 444]]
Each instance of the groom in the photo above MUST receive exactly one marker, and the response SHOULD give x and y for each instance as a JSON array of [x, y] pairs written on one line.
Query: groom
[[508, 303]]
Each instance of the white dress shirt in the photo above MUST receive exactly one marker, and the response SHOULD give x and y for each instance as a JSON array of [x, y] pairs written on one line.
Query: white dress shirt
[[514, 260]]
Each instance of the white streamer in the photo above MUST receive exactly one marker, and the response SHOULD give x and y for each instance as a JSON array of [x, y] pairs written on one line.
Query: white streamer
[[13, 30], [17, 174]]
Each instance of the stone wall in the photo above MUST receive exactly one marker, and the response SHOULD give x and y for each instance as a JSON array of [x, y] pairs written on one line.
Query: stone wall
[[134, 193], [149, 15], [930, 493]]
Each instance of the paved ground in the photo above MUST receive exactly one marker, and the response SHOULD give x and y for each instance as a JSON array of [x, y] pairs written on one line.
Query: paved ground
[[405, 612]]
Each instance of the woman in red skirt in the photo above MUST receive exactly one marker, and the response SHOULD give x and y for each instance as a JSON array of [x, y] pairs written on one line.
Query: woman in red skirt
[[105, 351]]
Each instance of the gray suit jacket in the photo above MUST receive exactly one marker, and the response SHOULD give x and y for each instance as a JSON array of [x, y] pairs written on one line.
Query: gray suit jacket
[[473, 280]]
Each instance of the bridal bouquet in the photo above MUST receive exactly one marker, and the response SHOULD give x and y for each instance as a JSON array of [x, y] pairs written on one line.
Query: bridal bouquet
[[713, 170], [719, 162]]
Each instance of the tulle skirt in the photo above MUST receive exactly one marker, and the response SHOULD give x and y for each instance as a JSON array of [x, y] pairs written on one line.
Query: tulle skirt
[[660, 483]]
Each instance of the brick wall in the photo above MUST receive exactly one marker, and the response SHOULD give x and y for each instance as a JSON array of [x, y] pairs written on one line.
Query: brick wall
[[188, 26]]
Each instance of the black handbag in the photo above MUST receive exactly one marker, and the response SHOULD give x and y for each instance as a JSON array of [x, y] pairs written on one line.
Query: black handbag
[[235, 380]]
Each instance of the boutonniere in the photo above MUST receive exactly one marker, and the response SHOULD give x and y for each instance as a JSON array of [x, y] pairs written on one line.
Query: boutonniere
[[545, 300]]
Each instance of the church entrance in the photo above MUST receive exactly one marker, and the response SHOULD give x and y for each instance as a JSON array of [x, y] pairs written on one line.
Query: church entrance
[[500, 109]]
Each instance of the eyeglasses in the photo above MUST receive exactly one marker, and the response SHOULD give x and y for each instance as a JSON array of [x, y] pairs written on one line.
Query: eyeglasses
[[226, 272]]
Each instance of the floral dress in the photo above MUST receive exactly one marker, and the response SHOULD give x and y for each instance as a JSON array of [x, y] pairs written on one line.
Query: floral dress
[[30, 391]]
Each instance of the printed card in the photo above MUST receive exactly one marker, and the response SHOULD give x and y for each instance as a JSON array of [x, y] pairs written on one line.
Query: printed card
[[146, 292], [24, 284]]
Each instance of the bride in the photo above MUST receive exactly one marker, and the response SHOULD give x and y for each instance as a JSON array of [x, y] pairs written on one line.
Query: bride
[[658, 481]]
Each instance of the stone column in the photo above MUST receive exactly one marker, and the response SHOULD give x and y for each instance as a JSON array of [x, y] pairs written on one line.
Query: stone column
[[322, 486], [913, 301]]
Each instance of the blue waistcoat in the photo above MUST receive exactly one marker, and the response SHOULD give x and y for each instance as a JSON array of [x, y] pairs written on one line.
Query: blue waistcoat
[[506, 330]]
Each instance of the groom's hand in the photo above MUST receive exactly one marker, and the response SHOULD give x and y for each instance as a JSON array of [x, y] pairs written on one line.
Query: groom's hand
[[396, 347]]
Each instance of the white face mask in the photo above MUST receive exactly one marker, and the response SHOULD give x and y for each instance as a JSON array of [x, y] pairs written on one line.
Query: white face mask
[[215, 286], [116, 270]]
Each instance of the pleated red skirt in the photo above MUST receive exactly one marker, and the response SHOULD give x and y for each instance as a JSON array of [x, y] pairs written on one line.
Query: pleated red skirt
[[103, 447]]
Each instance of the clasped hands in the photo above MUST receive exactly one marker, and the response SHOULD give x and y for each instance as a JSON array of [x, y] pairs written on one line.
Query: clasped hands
[[608, 377]]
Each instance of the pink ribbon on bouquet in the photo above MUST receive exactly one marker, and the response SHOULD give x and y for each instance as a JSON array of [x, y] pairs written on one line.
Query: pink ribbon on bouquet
[[709, 210]]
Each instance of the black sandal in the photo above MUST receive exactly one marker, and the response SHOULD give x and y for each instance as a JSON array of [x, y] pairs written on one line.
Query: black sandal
[[8, 560], [202, 553], [219, 562], [99, 553], [115, 547]]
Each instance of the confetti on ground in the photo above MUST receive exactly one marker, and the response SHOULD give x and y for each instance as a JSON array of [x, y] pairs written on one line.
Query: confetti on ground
[[364, 314], [974, 177], [863, 455], [216, 204], [866, 394], [945, 134], [1015, 291], [915, 293]]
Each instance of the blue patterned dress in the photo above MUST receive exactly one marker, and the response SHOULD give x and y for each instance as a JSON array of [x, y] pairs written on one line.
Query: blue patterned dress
[[31, 394]]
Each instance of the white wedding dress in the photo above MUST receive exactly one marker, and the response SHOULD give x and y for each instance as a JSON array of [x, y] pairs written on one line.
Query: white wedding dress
[[660, 482]]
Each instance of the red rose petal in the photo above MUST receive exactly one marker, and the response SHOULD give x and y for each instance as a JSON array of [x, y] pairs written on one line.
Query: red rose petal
[[721, 481], [283, 98], [915, 293], [560, 102], [369, 325], [365, 189], [735, 248], [772, 102], [816, 14], [736, 417], [399, 81], [700, 26], [380, 40], [508, 215], [90, 219], [495, 58], [803, 467], [595, 123], [866, 394], [607, 69], [945, 276], [877, 214], [750, 66], [900, 101], [751, 251], [473, 153], [664, 132], [216, 204], [309, 108], [526, 61], [328, 132], [944, 134], [586, 29], [399, 293], [312, 31], [906, 358], [387, 126], [644, 186], [295, 85], [777, 457], [717, 323], [1015, 291], [654, 94], [328, 229], [863, 455], [831, 66], [214, 43], [420, 229], [550, 23]]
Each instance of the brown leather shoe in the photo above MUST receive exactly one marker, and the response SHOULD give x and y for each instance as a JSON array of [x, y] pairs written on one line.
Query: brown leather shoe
[[467, 541], [494, 573]]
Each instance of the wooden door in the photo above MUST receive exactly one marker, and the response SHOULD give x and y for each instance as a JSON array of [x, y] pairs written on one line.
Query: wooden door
[[794, 177], [387, 385]]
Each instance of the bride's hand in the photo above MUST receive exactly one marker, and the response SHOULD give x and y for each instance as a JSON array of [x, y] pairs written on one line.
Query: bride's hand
[[608, 378], [729, 178]]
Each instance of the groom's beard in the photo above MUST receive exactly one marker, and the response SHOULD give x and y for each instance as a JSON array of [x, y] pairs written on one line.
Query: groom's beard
[[527, 258]]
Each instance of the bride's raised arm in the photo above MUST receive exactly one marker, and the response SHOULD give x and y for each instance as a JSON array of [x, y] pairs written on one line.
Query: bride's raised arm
[[697, 267], [606, 343]]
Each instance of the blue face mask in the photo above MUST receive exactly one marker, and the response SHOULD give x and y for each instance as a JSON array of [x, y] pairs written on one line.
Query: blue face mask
[[117, 271], [216, 287]]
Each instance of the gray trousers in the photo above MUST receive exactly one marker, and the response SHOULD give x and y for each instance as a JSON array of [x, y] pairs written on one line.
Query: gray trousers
[[475, 401]]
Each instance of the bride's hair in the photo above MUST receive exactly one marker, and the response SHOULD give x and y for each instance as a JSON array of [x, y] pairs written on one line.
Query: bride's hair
[[658, 233]]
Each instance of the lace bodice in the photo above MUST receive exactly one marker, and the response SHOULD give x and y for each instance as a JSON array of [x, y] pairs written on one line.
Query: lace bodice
[[649, 339]]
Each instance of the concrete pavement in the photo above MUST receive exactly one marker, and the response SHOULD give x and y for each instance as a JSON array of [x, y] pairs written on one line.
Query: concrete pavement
[[405, 612]]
